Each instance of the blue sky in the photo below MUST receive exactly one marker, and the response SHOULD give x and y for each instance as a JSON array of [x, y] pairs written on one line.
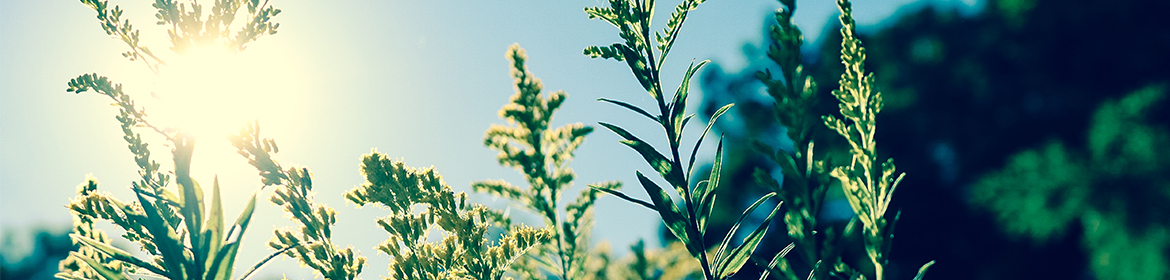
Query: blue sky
[[418, 80]]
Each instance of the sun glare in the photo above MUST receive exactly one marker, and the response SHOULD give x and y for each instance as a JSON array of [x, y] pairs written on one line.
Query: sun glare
[[211, 93], [208, 92]]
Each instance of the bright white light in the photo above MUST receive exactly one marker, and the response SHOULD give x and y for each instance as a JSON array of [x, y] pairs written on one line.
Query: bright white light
[[210, 92]]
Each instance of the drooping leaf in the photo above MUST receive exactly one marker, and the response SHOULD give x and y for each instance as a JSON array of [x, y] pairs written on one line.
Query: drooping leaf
[[625, 197], [652, 156], [631, 107], [674, 219]]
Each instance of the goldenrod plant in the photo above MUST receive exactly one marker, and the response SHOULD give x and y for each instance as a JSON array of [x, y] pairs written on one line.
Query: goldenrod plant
[[806, 178], [184, 236], [645, 56], [868, 185], [543, 155], [437, 233], [464, 252], [310, 241]]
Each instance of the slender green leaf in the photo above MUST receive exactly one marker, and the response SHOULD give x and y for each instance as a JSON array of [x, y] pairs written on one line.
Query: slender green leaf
[[770, 267], [213, 227], [265, 261], [638, 66], [168, 242], [630, 106], [720, 254], [626, 197], [652, 156], [101, 269], [118, 254], [671, 215], [714, 117], [740, 255], [922, 270], [678, 109], [245, 217], [221, 265]]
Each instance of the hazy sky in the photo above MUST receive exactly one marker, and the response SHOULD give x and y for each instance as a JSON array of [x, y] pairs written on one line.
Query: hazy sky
[[417, 80]]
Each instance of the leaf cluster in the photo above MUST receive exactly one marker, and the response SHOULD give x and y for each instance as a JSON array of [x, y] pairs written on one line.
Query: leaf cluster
[[689, 224], [463, 252], [806, 175], [186, 237], [310, 241], [542, 155], [184, 233]]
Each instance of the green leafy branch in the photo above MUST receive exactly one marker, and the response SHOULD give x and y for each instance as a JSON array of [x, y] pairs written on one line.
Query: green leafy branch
[[189, 28], [632, 18], [543, 155], [806, 178], [169, 225], [868, 186], [310, 241], [463, 252], [187, 238]]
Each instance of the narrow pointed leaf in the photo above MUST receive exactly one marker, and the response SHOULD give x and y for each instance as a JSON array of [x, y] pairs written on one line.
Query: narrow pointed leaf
[[626, 197], [652, 156], [922, 271], [740, 255], [214, 225], [723, 246], [714, 117], [770, 267], [168, 242], [245, 217], [638, 66], [117, 254], [629, 106], [678, 111], [101, 269], [671, 215], [221, 265], [716, 168], [264, 262]]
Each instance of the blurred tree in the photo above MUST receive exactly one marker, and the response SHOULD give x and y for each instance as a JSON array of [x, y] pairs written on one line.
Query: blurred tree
[[963, 93], [1116, 190], [47, 247]]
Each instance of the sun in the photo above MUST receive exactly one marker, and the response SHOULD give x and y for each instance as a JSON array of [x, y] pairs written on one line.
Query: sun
[[210, 91]]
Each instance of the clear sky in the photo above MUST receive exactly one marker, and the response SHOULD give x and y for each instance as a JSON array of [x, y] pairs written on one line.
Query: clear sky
[[417, 80]]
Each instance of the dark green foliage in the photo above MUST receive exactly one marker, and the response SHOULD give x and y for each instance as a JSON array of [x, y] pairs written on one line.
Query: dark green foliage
[[543, 155], [464, 251], [689, 223], [806, 177], [1113, 189]]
